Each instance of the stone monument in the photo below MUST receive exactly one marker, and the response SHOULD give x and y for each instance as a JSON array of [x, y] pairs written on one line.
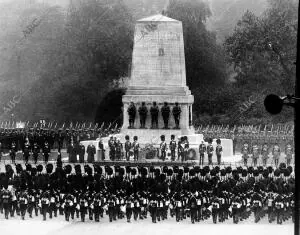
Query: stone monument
[[158, 85], [158, 75]]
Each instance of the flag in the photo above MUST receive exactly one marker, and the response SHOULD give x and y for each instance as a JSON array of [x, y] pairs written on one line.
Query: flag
[[96, 126]]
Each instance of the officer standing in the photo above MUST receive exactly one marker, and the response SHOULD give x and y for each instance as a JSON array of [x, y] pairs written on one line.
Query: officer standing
[[276, 154], [91, 151], [245, 152], [219, 150], [176, 114], [143, 114], [81, 152], [289, 154], [26, 151], [127, 148], [112, 148], [172, 147], [265, 153], [136, 148], [131, 113], [210, 150], [13, 151], [165, 112], [154, 116], [255, 154], [202, 150], [101, 150], [163, 148], [119, 149], [46, 151]]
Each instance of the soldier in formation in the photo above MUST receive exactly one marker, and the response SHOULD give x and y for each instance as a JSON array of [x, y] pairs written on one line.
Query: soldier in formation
[[194, 193]]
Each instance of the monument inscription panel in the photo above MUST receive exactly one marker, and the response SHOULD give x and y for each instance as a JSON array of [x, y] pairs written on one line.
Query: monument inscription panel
[[158, 56]]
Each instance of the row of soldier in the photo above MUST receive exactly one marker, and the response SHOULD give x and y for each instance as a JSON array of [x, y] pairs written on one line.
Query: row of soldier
[[154, 112], [57, 139], [195, 193], [264, 151]]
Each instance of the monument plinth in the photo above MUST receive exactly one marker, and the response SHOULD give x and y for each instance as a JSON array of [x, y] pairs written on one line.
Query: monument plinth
[[158, 75]]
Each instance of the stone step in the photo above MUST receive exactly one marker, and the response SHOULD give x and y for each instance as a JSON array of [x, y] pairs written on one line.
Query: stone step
[[158, 92], [167, 88]]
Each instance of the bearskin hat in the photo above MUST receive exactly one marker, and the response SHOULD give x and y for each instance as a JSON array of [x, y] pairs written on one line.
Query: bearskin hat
[[19, 168], [228, 170], [277, 172], [265, 173], [165, 169], [206, 169], [170, 172], [250, 169], [28, 167], [49, 168], [77, 169], [192, 172], [133, 171], [244, 172], [186, 169], [162, 138], [144, 171], [122, 171], [109, 171], [68, 169], [282, 165], [97, 169], [270, 169], [175, 169], [255, 172], [33, 171], [286, 172], [217, 169], [223, 172], [197, 169], [40, 168], [128, 169], [162, 177]]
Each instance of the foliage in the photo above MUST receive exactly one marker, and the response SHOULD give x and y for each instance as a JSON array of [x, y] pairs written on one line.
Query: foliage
[[263, 51], [149, 151], [205, 64]]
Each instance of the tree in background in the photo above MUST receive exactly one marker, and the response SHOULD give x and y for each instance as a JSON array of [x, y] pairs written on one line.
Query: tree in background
[[263, 51], [205, 59], [69, 59]]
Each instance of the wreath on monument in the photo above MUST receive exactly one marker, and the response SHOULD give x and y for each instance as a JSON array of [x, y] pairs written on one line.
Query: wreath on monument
[[149, 151]]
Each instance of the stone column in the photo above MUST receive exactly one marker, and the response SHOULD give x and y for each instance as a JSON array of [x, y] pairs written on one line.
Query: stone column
[[184, 117], [125, 116]]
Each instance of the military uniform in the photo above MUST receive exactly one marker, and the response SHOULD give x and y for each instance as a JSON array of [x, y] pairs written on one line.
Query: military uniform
[[219, 150], [172, 147], [245, 152], [154, 115], [165, 112], [202, 150], [143, 115], [289, 154], [210, 150], [163, 149], [127, 149]]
